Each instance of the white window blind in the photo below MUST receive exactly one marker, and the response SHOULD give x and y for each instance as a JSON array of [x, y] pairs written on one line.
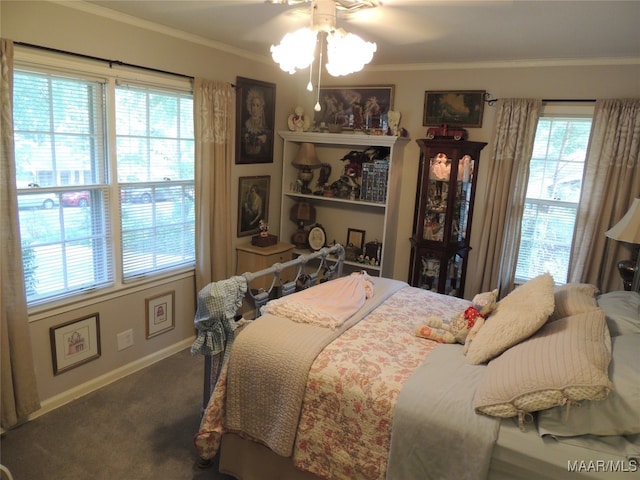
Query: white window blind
[[553, 194], [155, 163], [62, 188]]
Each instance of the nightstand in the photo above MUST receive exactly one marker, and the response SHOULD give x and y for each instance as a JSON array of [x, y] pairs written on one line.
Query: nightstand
[[252, 258]]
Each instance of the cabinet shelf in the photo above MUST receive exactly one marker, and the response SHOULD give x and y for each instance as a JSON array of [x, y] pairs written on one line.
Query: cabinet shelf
[[378, 220], [321, 198]]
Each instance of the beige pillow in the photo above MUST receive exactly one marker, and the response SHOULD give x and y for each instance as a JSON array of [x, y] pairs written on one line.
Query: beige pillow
[[516, 317], [566, 360], [574, 298]]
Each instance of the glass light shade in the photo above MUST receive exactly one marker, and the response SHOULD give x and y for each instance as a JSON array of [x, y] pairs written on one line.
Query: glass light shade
[[347, 53], [296, 50]]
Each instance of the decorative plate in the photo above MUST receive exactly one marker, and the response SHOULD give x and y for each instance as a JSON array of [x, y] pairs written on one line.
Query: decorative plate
[[317, 237]]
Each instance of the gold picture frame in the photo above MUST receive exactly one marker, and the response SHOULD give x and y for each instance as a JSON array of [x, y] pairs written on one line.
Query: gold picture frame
[[460, 108], [160, 314], [355, 107], [75, 343]]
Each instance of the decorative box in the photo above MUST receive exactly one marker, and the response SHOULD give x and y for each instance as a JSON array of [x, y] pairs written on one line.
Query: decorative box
[[266, 241]]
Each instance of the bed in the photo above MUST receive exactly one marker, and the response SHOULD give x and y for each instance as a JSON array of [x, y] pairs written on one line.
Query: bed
[[549, 387]]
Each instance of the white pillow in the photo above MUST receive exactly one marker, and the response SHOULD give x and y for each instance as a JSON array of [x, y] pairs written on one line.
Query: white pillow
[[574, 298], [516, 317], [566, 360], [618, 414]]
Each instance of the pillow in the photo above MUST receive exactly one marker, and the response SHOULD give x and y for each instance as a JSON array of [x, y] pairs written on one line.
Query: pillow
[[618, 414], [516, 317], [566, 360], [573, 298], [622, 310]]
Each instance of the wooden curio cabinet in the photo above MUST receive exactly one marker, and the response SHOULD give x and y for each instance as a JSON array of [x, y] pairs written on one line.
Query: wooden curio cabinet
[[445, 194]]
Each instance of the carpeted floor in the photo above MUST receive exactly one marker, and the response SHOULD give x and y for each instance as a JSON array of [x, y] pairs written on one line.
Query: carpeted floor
[[140, 427]]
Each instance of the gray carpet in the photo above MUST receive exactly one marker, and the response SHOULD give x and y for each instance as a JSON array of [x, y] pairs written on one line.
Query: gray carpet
[[140, 427]]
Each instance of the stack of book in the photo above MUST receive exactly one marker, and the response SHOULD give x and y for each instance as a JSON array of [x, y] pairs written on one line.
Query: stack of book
[[375, 176]]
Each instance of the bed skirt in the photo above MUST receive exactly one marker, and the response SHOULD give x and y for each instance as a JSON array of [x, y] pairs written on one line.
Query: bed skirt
[[247, 460]]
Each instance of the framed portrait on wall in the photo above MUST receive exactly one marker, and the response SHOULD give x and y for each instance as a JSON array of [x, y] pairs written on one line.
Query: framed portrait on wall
[[255, 121], [160, 313], [253, 204]]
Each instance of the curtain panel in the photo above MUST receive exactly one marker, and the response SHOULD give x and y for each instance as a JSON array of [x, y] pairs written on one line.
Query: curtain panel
[[18, 382], [611, 182], [514, 135], [213, 122]]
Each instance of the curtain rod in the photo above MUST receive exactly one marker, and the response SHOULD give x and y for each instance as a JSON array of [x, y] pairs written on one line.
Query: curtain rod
[[100, 59], [488, 98]]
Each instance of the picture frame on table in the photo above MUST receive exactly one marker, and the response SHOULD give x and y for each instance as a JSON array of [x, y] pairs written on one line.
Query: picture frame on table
[[253, 203], [355, 237], [75, 343], [255, 121], [460, 108], [355, 108], [160, 314]]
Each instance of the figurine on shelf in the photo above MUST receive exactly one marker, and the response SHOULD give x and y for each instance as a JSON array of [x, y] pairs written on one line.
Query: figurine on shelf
[[393, 119], [440, 167], [297, 121]]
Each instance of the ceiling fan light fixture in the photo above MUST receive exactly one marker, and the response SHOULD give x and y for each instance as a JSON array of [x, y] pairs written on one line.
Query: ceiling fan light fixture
[[346, 52]]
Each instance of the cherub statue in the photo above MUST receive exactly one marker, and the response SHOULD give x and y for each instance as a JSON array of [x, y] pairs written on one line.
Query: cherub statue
[[297, 121]]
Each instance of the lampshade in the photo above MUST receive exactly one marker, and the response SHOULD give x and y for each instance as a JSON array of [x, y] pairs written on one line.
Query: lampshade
[[346, 52], [307, 158], [303, 213], [628, 228]]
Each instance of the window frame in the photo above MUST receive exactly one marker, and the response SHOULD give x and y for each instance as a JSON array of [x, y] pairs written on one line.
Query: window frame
[[46, 62], [564, 110]]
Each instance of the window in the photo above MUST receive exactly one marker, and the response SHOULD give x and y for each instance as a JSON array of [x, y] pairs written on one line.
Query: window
[[75, 238], [553, 193], [154, 137]]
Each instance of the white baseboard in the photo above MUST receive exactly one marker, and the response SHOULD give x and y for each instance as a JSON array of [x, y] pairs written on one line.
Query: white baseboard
[[63, 398]]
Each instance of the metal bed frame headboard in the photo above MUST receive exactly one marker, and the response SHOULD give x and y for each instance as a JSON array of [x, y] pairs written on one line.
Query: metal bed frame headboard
[[330, 262]]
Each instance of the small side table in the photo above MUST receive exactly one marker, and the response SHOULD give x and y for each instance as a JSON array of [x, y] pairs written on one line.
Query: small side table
[[251, 258]]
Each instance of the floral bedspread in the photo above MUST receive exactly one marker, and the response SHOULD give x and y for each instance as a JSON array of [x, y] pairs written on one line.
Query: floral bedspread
[[353, 385]]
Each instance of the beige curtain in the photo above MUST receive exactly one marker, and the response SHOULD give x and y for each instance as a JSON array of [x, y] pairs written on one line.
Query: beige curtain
[[508, 175], [19, 388], [213, 121], [611, 182]]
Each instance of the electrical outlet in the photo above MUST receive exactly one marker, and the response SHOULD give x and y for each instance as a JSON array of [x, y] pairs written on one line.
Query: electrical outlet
[[125, 339]]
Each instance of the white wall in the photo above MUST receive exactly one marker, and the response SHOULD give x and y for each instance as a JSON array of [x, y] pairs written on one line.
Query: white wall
[[59, 26]]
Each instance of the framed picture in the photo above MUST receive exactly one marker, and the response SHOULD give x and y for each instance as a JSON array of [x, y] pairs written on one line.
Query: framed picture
[[160, 312], [74, 343], [356, 238], [355, 107], [253, 203], [461, 108], [255, 120]]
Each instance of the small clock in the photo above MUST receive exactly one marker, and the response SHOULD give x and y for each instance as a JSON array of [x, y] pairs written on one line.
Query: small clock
[[317, 237]]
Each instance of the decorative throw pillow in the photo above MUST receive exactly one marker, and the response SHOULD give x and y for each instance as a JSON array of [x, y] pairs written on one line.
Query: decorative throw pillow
[[516, 317], [567, 360], [618, 414], [623, 311], [573, 298]]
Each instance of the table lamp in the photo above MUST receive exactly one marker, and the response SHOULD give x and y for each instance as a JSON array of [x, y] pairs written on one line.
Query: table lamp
[[303, 213], [306, 160], [628, 230]]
